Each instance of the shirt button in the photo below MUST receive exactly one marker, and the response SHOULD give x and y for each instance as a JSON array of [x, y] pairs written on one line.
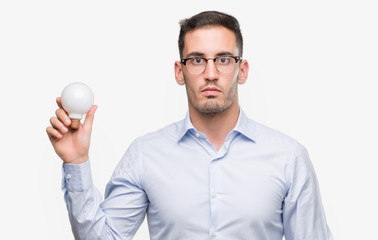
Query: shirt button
[[215, 195], [198, 134], [68, 176], [215, 234]]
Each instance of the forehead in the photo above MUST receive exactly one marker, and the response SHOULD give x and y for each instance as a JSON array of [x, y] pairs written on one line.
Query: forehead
[[210, 41]]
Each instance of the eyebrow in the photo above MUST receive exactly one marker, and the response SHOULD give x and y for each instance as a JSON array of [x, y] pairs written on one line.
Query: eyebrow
[[226, 53], [199, 54], [195, 54]]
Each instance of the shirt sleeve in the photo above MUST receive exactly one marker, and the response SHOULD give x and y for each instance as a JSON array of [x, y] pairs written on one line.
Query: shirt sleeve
[[118, 216], [303, 213]]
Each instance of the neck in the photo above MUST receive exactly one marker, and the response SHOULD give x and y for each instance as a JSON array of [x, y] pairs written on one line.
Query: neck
[[216, 126]]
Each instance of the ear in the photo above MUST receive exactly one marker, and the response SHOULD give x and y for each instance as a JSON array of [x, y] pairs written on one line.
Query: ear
[[243, 72], [179, 74]]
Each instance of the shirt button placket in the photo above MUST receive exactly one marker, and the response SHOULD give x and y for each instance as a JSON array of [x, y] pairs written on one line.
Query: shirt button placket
[[213, 198]]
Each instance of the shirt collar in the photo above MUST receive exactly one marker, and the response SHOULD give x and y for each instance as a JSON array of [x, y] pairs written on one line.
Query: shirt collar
[[243, 126], [184, 126]]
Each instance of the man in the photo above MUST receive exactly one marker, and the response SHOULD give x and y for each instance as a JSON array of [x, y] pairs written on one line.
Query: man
[[214, 175]]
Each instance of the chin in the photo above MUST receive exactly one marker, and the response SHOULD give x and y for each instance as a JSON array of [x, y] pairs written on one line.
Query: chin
[[211, 107]]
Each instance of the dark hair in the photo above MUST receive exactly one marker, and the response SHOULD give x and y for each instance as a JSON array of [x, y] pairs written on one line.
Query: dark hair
[[210, 18]]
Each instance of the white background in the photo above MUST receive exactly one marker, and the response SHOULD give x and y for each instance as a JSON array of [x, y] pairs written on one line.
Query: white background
[[313, 76]]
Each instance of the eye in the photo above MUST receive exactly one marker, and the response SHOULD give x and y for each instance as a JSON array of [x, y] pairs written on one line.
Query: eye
[[197, 61], [223, 60]]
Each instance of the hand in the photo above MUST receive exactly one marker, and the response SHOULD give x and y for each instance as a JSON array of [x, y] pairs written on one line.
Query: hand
[[71, 146]]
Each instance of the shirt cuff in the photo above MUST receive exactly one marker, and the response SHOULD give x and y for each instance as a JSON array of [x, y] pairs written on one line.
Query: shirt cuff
[[77, 177]]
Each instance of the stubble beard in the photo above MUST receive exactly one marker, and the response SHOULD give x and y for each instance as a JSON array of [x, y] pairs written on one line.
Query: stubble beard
[[211, 105]]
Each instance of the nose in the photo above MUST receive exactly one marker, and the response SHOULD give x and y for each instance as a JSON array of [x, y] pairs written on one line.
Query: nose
[[211, 72]]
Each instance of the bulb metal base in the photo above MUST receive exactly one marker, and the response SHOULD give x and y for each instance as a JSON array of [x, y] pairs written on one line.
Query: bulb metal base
[[75, 124]]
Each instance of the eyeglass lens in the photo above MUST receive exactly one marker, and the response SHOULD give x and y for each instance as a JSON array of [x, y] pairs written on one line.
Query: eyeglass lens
[[222, 64]]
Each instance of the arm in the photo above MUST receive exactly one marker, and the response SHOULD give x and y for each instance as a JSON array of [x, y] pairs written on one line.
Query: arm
[[117, 217], [303, 213], [120, 215]]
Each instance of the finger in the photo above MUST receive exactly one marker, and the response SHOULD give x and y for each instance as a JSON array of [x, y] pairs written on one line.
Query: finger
[[63, 117], [58, 125], [53, 133], [59, 102], [88, 122]]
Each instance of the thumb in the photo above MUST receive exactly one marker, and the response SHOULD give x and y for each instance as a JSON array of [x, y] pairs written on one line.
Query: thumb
[[88, 122]]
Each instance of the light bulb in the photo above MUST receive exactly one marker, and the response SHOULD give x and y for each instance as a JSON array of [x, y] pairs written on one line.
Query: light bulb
[[77, 99]]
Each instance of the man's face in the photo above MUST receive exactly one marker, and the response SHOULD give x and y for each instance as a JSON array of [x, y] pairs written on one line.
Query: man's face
[[211, 91]]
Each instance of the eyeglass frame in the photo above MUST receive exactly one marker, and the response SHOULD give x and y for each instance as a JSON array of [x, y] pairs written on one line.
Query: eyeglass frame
[[183, 61]]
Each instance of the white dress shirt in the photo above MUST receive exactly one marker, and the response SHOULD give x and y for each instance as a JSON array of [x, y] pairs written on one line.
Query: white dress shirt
[[259, 185]]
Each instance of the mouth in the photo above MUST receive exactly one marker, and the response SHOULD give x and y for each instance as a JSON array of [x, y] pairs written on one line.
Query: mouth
[[211, 91]]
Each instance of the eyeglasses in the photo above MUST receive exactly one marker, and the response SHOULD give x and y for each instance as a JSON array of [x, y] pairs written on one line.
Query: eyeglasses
[[197, 65]]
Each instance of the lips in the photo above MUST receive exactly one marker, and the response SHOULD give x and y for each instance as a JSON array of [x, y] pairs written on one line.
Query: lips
[[211, 90]]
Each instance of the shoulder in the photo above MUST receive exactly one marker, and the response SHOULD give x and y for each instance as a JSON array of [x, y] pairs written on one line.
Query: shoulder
[[170, 132], [166, 135], [298, 156], [267, 135], [277, 143], [152, 143], [281, 146]]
